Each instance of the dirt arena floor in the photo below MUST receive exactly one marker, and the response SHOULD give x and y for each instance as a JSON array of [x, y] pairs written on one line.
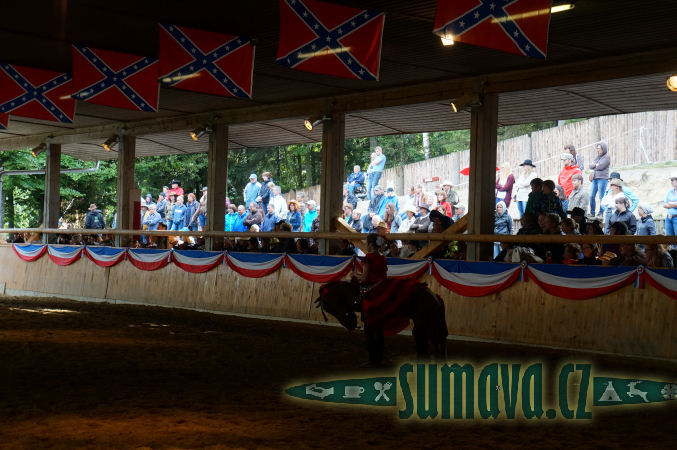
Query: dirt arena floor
[[92, 375]]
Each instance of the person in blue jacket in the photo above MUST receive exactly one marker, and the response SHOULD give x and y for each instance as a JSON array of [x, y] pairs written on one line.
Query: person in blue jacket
[[178, 214], [191, 208], [269, 219], [309, 216], [153, 218], [239, 220], [356, 178], [294, 216], [390, 197], [231, 218]]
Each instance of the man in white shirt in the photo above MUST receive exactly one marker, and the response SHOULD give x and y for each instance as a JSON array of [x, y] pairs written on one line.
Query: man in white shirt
[[279, 204]]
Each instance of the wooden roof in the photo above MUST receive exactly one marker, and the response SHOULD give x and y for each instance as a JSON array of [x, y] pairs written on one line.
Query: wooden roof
[[588, 43]]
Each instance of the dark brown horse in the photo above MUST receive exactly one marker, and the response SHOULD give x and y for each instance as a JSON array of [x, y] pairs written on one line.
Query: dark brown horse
[[387, 310]]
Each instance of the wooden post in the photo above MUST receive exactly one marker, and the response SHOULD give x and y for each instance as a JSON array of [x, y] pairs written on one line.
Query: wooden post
[[52, 202], [331, 186], [126, 183], [482, 196], [217, 181], [455, 169]]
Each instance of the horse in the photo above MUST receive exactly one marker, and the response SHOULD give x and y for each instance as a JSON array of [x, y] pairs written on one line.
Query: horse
[[387, 310]]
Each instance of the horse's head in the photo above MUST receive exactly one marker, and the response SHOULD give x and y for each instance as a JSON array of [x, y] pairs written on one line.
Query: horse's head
[[341, 300]]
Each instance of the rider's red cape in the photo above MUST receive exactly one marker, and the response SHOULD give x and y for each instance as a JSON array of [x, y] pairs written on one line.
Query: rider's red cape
[[389, 305]]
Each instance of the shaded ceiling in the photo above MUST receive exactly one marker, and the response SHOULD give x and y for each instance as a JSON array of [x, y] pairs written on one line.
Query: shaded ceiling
[[42, 38]]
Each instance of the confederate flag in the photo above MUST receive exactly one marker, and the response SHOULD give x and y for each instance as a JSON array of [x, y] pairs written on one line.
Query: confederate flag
[[4, 120], [36, 93], [115, 79], [330, 39], [514, 26], [204, 61]]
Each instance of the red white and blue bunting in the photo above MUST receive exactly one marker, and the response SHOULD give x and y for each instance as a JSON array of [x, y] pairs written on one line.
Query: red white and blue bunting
[[470, 279], [475, 279], [196, 261], [29, 252], [319, 269], [64, 255], [105, 256]]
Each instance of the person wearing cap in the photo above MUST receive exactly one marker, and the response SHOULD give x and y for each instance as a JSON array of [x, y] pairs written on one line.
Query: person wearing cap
[[176, 189], [578, 215], [522, 187], [599, 176], [634, 200], [459, 211], [94, 219], [452, 195], [578, 158], [251, 190], [608, 203], [265, 191], [504, 189], [646, 225], [309, 216], [409, 220], [579, 197], [422, 223], [376, 169], [568, 171], [670, 204]]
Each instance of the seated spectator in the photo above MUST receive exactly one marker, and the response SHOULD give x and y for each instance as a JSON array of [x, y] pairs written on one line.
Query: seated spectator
[[389, 198], [590, 253], [570, 227], [254, 217], [559, 192], [578, 214], [505, 248], [595, 228], [345, 248], [657, 256], [571, 254], [302, 246], [375, 221], [349, 197], [255, 228], [374, 207], [356, 221], [442, 201], [294, 216], [459, 211], [348, 212], [617, 229], [550, 203], [284, 245], [622, 214], [393, 249], [391, 218], [630, 255], [535, 199], [356, 178], [270, 219], [253, 245], [529, 222], [406, 224], [646, 225], [552, 252], [440, 221], [409, 249], [422, 223]]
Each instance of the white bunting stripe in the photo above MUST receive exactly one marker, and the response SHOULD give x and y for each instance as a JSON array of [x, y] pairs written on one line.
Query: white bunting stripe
[[476, 279]]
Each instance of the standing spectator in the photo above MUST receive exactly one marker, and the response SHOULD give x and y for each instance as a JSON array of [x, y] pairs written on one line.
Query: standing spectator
[[239, 220], [550, 203], [270, 219], [578, 158], [255, 217], [408, 221], [646, 225], [152, 219], [202, 210], [169, 210], [504, 190], [301, 200], [94, 219], [231, 218], [566, 174], [251, 190], [670, 204], [355, 179], [559, 192], [149, 200], [535, 197], [311, 214], [442, 200], [451, 194], [578, 198], [161, 205], [294, 216], [502, 224], [599, 176], [279, 204], [178, 214], [176, 188], [622, 214], [608, 202], [265, 190], [634, 200], [523, 185], [376, 166], [191, 212]]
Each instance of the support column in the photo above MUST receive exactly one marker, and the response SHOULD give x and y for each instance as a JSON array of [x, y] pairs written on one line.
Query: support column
[[52, 204], [331, 186], [126, 183], [217, 182], [481, 198]]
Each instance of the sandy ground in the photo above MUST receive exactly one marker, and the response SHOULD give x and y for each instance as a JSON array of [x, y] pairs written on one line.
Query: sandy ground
[[122, 376]]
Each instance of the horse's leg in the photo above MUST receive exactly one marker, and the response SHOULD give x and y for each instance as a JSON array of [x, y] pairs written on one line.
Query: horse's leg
[[421, 337], [375, 344]]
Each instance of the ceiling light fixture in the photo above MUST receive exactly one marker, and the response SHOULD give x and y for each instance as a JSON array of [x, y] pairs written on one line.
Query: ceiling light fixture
[[111, 142], [447, 38], [672, 82], [199, 132], [562, 7], [313, 121], [466, 101], [35, 151]]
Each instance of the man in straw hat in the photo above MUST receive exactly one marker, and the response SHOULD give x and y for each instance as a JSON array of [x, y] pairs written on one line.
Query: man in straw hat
[[94, 219]]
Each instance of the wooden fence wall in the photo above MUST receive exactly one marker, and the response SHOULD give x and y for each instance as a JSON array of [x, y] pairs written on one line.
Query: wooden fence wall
[[630, 321], [632, 138]]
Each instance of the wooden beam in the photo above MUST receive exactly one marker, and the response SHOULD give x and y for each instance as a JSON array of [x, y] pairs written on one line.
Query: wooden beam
[[343, 228], [217, 180], [126, 183], [481, 194], [548, 75], [456, 228], [331, 184], [52, 203]]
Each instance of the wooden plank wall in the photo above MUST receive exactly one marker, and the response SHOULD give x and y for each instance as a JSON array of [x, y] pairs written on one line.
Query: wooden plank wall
[[630, 321]]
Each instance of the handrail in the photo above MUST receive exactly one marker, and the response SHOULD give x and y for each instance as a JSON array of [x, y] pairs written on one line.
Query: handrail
[[512, 238]]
